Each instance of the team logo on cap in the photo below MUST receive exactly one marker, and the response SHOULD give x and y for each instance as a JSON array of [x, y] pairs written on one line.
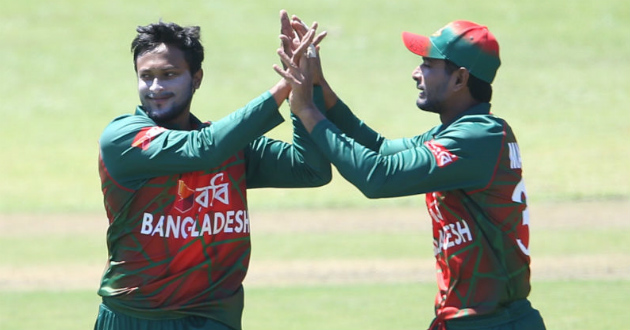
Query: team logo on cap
[[442, 156], [438, 32]]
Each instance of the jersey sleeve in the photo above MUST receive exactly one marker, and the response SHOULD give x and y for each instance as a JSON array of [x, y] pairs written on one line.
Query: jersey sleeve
[[133, 149], [353, 127], [359, 131], [463, 156], [390, 147], [273, 163]]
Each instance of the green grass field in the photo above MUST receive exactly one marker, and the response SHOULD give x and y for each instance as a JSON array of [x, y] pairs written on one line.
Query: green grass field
[[563, 86], [364, 274], [361, 306]]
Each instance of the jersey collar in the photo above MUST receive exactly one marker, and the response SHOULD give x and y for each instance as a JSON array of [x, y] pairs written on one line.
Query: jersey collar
[[195, 123], [479, 109]]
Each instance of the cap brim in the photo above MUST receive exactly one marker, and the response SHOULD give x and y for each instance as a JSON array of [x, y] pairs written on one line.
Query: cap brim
[[417, 44]]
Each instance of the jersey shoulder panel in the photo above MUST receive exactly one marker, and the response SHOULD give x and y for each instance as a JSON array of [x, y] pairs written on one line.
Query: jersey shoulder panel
[[475, 127], [122, 126]]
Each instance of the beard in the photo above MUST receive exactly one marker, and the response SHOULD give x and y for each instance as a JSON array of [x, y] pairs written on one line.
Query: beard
[[433, 100], [429, 105], [167, 114]]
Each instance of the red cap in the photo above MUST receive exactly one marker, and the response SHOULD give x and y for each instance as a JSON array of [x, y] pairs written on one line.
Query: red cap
[[464, 43]]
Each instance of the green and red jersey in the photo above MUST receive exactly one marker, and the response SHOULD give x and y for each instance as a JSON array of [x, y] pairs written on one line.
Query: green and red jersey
[[470, 171], [179, 228]]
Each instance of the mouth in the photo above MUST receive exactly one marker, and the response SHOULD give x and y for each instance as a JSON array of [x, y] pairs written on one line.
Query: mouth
[[158, 99], [421, 94]]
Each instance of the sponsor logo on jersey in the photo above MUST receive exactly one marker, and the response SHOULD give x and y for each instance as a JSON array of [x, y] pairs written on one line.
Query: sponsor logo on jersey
[[145, 136], [202, 196], [434, 207], [193, 214], [515, 156], [233, 221], [443, 157], [451, 235]]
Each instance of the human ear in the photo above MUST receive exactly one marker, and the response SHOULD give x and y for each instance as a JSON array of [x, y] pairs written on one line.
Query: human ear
[[197, 78], [461, 78]]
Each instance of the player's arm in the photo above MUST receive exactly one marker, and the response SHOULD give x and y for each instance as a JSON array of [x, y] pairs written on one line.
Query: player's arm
[[340, 114], [416, 170], [133, 149], [273, 163], [348, 123], [410, 171]]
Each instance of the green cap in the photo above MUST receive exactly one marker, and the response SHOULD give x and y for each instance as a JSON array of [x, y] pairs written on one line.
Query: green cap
[[464, 43]]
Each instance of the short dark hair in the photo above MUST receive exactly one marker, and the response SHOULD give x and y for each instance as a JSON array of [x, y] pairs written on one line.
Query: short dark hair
[[187, 39], [479, 89]]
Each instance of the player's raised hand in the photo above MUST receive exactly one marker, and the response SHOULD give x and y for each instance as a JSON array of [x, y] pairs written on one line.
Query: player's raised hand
[[290, 40], [299, 69], [300, 29], [292, 32]]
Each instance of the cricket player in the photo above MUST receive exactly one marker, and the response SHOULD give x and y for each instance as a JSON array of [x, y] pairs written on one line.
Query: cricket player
[[175, 191], [469, 168]]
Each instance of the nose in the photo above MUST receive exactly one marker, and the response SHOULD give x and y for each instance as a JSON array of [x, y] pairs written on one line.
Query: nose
[[417, 74], [156, 86]]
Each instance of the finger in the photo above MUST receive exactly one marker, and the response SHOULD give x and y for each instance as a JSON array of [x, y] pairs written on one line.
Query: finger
[[283, 56], [281, 72], [285, 42], [285, 23], [319, 38], [296, 19], [299, 29], [311, 33], [298, 26], [306, 41], [284, 74], [286, 60]]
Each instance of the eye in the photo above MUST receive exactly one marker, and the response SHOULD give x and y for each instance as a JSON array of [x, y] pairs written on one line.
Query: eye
[[170, 74], [427, 63]]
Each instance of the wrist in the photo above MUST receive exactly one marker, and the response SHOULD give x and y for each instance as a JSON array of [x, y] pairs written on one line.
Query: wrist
[[304, 108], [280, 91], [308, 115], [330, 98]]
